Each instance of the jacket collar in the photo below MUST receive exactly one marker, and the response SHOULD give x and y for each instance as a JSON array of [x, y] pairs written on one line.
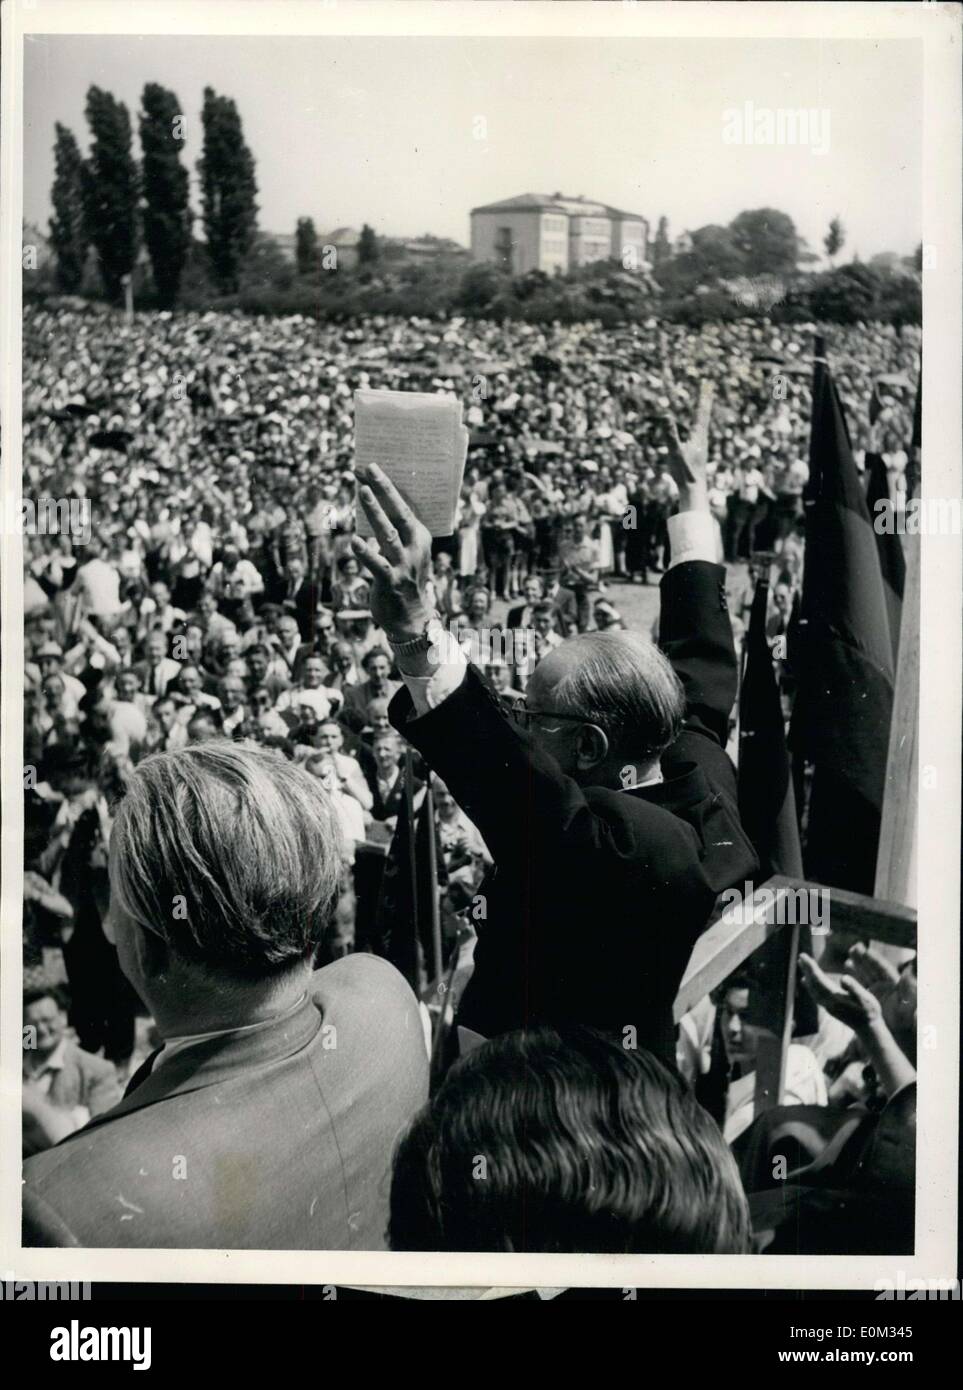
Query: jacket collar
[[223, 1057], [676, 793]]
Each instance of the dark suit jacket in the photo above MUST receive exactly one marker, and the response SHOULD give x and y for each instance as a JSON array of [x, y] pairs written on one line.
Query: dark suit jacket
[[169, 671], [598, 895], [566, 607], [305, 603], [275, 1139], [390, 805]]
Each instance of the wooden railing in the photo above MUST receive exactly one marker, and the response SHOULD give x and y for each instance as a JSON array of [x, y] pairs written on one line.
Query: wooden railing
[[741, 929]]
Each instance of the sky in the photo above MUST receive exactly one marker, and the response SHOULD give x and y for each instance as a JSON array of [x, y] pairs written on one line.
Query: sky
[[409, 134]]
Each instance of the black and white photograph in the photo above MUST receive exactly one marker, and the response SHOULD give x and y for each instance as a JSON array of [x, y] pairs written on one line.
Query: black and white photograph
[[481, 642]]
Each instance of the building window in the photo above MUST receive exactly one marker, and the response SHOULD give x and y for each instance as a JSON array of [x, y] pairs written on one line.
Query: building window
[[505, 248]]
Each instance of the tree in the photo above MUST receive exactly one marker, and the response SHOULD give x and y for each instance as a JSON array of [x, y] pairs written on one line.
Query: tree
[[767, 240], [481, 285], [368, 248], [68, 235], [834, 239], [716, 252], [166, 188], [228, 190], [110, 190], [661, 246], [306, 246], [265, 266], [847, 295], [712, 256]]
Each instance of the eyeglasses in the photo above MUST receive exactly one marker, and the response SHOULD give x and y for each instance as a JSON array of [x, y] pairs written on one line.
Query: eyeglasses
[[525, 717]]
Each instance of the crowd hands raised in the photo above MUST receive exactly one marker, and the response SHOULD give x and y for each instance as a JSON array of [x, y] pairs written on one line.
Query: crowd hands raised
[[222, 596]]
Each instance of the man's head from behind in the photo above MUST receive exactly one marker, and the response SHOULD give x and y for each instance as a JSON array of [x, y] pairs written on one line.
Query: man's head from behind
[[602, 702], [224, 865], [548, 1141]]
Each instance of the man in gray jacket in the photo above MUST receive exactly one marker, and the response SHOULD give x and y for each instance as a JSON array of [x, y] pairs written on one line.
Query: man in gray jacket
[[268, 1117]]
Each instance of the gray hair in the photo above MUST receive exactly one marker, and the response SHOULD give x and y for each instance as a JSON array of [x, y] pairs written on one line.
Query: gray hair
[[229, 853], [627, 687]]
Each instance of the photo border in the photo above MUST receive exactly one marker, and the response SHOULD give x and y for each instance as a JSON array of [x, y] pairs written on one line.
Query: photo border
[[938, 27]]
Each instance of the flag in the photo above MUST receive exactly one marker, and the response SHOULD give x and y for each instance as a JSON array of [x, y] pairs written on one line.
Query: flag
[[767, 809], [889, 545], [405, 906], [844, 668]]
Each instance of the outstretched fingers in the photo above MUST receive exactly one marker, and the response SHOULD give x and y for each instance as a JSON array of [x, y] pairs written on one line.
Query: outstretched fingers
[[371, 559], [707, 391], [389, 499], [386, 533]]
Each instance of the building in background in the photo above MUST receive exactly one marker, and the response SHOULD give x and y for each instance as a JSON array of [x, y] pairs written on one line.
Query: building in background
[[343, 239], [538, 231]]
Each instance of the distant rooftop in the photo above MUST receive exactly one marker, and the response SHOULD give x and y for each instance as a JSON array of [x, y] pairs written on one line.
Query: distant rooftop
[[574, 206]]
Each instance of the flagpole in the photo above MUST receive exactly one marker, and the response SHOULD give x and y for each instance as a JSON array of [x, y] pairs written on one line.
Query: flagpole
[[896, 863], [412, 847], [433, 883]]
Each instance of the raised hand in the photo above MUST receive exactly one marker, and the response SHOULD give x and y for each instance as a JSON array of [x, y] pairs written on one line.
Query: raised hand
[[688, 462], [848, 1001], [400, 566], [872, 970]]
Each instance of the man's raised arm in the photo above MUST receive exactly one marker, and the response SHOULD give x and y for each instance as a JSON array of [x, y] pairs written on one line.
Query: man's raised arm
[[514, 792], [694, 627]]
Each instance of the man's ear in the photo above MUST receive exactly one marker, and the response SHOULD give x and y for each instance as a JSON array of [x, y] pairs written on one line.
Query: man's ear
[[153, 955], [593, 747]]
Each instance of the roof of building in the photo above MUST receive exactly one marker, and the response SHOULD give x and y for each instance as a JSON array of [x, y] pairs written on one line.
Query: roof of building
[[557, 202]]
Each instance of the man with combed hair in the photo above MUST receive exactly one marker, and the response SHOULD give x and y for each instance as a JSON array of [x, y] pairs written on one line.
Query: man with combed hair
[[268, 1117], [608, 801]]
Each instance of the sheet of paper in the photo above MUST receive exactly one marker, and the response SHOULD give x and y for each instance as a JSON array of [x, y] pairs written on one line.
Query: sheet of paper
[[419, 440]]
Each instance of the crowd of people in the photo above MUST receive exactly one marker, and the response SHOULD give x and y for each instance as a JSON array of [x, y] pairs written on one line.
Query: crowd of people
[[221, 611]]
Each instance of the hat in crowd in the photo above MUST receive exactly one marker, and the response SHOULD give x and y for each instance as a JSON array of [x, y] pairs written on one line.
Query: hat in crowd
[[50, 649]]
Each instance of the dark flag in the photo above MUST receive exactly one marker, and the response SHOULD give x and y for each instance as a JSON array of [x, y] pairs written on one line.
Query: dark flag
[[405, 907], [767, 809], [845, 659], [889, 545]]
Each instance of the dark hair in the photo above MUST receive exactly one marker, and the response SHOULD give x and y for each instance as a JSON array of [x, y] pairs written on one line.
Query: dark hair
[[372, 653], [35, 993], [565, 1141]]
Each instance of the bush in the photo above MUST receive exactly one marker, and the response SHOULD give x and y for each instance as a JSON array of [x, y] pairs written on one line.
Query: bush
[[603, 292]]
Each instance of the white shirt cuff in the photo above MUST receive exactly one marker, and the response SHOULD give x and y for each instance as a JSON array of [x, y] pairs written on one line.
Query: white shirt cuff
[[693, 536], [448, 661]]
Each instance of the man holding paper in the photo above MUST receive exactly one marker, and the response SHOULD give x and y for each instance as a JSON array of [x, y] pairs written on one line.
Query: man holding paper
[[608, 802]]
